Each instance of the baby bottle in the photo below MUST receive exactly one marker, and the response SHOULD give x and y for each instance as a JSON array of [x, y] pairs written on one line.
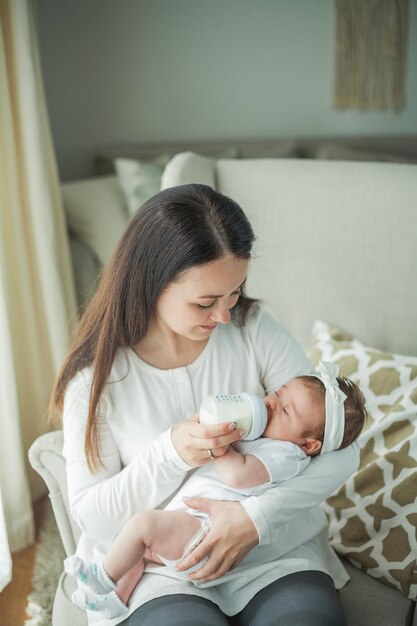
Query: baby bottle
[[246, 409]]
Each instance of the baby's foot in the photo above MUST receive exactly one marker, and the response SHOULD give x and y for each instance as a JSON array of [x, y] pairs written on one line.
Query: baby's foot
[[92, 575], [108, 604]]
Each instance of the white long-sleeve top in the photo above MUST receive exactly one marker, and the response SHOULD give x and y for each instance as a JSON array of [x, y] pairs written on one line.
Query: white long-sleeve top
[[142, 469]]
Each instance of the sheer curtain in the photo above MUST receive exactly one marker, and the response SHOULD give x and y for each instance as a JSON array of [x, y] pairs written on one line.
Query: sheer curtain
[[37, 301], [5, 558]]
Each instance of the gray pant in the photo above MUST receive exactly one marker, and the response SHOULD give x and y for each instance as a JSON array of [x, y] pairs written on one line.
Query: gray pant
[[300, 599]]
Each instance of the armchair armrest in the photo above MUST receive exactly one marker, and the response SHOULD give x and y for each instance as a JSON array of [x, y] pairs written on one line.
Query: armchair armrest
[[45, 456]]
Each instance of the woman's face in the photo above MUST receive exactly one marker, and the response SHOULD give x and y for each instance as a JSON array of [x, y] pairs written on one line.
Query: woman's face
[[201, 298]]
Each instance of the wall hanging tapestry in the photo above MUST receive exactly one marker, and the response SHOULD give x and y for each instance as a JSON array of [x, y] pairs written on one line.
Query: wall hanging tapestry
[[370, 54]]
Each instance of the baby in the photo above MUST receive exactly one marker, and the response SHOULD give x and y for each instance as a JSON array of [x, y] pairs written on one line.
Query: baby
[[309, 415]]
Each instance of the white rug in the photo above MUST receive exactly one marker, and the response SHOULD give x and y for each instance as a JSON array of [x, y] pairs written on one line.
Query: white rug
[[47, 570]]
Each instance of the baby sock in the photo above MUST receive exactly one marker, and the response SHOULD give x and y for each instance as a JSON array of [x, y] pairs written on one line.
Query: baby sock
[[92, 575], [108, 604]]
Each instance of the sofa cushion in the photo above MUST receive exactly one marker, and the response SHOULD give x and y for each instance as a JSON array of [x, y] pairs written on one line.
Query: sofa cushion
[[373, 518], [321, 227], [367, 602], [96, 213]]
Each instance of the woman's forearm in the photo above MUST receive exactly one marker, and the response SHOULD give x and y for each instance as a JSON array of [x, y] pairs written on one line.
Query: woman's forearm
[[317, 482], [102, 503]]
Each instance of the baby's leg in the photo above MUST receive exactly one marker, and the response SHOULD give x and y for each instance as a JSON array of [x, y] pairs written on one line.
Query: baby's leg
[[128, 582], [164, 532], [91, 575], [114, 603], [109, 585]]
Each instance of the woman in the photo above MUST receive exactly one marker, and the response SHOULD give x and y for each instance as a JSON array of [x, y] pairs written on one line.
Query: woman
[[169, 325]]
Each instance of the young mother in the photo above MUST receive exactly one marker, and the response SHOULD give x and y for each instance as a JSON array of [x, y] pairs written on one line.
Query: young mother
[[169, 325]]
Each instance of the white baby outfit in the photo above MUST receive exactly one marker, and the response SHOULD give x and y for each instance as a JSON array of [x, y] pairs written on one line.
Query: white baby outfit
[[282, 459], [142, 469]]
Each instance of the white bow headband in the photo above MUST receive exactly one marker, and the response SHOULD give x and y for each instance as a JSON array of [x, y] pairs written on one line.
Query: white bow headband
[[334, 427]]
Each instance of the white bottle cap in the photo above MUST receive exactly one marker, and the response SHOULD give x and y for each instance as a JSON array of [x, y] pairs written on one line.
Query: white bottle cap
[[259, 416]]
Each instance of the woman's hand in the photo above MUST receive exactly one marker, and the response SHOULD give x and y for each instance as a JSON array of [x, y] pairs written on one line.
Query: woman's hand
[[231, 537], [193, 441]]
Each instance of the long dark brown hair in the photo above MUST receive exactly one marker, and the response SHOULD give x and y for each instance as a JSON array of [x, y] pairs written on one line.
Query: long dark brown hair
[[175, 230]]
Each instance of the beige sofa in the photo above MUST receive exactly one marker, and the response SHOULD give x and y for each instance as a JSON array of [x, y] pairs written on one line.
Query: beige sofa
[[96, 208], [336, 243]]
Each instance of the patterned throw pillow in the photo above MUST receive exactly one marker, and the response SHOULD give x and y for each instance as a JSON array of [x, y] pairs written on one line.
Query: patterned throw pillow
[[139, 179], [373, 516]]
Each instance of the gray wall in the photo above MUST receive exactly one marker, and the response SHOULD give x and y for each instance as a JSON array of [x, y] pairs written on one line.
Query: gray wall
[[155, 70]]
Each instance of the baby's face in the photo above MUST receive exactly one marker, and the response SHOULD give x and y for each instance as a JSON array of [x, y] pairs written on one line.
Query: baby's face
[[291, 413]]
